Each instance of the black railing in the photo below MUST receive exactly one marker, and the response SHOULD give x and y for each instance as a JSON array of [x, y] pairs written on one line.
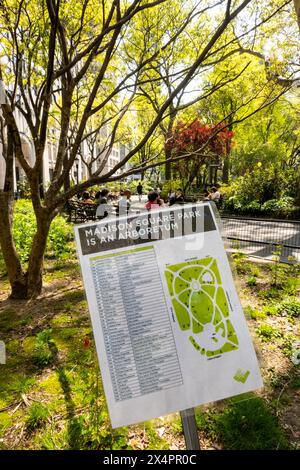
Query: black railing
[[263, 238]]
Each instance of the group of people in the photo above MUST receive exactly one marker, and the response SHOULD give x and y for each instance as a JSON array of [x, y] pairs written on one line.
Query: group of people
[[213, 194], [119, 202], [177, 197], [107, 202], [94, 197]]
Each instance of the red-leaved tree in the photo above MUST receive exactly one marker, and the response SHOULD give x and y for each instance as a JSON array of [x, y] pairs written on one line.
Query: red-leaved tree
[[202, 143]]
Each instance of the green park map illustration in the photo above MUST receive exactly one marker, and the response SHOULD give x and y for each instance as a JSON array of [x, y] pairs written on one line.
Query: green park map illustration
[[200, 304]]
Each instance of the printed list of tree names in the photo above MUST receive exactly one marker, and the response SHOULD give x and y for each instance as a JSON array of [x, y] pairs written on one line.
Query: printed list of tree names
[[137, 333]]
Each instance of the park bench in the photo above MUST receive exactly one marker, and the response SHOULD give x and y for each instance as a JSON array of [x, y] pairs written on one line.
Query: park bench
[[190, 198], [79, 213], [90, 211]]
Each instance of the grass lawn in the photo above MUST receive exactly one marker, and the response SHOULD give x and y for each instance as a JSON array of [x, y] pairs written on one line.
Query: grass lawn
[[51, 394]]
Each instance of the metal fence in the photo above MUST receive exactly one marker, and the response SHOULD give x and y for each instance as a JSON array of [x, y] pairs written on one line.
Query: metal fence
[[263, 238]]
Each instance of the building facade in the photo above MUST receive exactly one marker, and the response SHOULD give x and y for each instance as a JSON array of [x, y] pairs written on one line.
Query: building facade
[[92, 155]]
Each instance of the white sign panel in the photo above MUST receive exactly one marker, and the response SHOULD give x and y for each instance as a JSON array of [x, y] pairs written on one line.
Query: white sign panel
[[168, 324]]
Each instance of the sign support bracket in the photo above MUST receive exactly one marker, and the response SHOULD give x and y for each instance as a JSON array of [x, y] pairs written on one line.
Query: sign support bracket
[[189, 425]]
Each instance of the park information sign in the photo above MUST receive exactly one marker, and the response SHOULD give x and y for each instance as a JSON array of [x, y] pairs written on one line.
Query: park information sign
[[168, 324]]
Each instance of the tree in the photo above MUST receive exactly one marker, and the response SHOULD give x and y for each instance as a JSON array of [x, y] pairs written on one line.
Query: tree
[[189, 139], [231, 67], [73, 65], [297, 9], [240, 99], [269, 143]]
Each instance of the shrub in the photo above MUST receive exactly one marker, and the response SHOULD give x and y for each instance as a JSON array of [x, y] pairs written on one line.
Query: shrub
[[279, 207], [295, 382], [228, 190], [246, 424], [283, 207], [37, 415], [250, 425], [259, 184], [268, 332], [171, 185], [233, 203], [24, 227], [290, 308], [270, 294], [240, 204], [291, 285], [253, 207], [270, 310], [251, 281], [254, 314], [45, 350], [260, 191], [61, 232]]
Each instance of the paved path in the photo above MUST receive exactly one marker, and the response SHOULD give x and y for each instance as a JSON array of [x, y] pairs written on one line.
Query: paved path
[[260, 237], [255, 236], [136, 204]]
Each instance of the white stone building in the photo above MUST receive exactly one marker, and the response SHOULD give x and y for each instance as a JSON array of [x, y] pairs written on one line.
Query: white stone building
[[79, 170]]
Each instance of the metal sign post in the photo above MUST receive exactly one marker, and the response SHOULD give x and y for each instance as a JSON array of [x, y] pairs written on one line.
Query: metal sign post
[[190, 429]]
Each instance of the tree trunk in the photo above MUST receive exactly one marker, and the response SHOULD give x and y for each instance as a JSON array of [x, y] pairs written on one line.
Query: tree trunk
[[36, 259], [226, 164], [29, 284], [215, 176], [199, 181], [168, 168], [297, 9], [16, 276], [206, 176], [210, 175], [41, 181], [67, 184], [142, 159], [225, 174]]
